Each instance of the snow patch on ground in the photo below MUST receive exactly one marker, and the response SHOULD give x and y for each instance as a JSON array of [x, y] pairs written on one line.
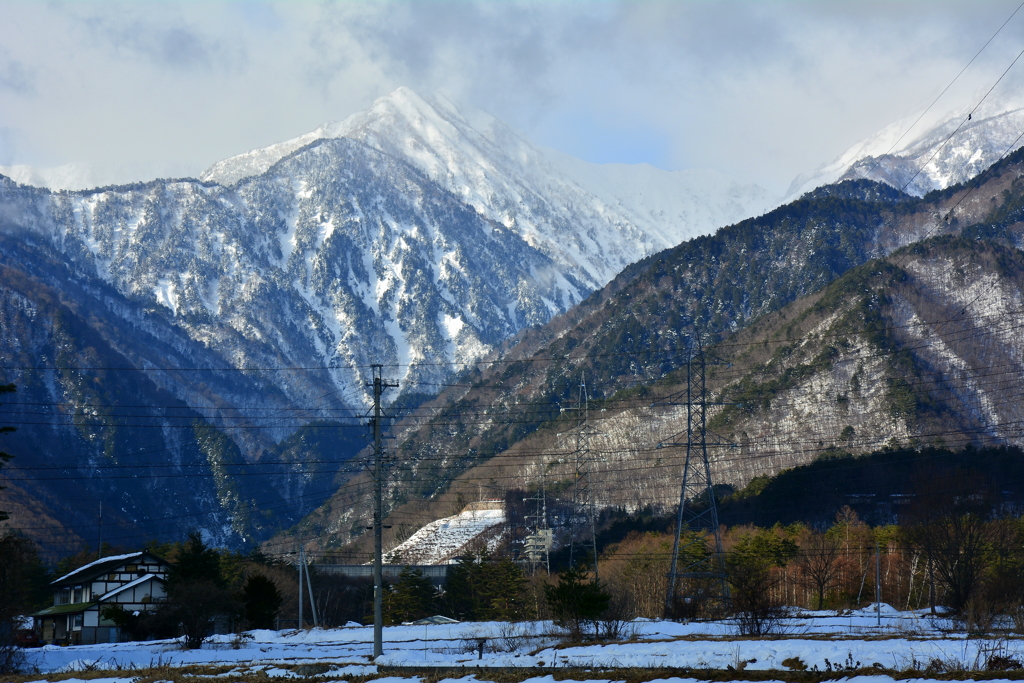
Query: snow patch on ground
[[166, 294]]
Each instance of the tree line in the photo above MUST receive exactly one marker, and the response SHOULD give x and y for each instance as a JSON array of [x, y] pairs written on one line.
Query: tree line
[[960, 560], [956, 549]]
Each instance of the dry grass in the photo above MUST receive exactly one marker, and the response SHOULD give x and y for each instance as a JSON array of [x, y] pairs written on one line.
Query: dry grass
[[211, 674]]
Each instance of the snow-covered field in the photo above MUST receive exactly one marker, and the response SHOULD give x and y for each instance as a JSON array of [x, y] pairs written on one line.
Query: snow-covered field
[[825, 641]]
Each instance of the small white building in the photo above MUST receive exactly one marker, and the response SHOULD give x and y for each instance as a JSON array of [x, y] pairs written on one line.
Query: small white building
[[134, 581]]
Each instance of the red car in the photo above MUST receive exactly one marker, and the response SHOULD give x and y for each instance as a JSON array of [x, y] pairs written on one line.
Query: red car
[[26, 637]]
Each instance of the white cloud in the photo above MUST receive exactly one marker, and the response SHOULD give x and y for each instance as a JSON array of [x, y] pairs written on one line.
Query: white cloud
[[758, 90]]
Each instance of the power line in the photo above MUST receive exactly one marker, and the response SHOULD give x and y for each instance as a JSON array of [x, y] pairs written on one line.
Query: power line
[[878, 159]]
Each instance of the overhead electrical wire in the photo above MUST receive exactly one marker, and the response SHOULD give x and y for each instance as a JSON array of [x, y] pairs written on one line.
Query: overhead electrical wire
[[360, 421], [366, 487], [949, 85]]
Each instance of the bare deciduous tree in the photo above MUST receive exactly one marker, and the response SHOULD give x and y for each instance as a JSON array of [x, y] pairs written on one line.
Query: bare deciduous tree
[[950, 525], [819, 562]]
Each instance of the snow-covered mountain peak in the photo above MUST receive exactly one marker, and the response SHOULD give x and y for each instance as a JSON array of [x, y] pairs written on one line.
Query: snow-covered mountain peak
[[402, 116], [464, 149], [494, 170], [941, 151], [628, 211]]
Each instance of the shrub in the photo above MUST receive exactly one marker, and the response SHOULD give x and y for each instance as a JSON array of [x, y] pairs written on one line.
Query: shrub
[[577, 603], [262, 601]]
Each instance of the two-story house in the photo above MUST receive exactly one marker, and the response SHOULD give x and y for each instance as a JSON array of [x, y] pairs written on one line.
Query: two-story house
[[134, 581]]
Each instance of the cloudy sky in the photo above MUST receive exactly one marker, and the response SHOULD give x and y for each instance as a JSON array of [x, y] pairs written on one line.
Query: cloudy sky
[[759, 90]]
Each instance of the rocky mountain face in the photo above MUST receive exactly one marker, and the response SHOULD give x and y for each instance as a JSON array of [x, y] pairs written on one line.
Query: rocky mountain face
[[215, 337], [855, 317], [920, 348]]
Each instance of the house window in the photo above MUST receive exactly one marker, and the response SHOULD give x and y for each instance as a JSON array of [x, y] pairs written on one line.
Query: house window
[[63, 596], [78, 621], [76, 595], [131, 568]]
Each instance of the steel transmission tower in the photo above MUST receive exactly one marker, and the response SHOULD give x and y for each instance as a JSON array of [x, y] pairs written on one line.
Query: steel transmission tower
[[698, 563], [537, 546], [583, 518]]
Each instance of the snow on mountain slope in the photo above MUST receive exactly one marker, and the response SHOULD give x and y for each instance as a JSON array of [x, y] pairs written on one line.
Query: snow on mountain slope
[[440, 541], [923, 160], [338, 257], [589, 218], [414, 235]]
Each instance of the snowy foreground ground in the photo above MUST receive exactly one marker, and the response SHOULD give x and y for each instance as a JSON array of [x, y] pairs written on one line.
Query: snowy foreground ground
[[822, 640]]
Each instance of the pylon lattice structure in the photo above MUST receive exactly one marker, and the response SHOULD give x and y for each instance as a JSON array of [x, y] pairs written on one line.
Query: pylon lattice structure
[[537, 545], [582, 523], [697, 573]]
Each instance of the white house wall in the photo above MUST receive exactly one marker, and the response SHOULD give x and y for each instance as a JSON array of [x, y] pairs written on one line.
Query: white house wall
[[143, 594]]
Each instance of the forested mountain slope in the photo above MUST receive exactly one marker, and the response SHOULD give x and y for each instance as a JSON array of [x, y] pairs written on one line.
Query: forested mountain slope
[[634, 334]]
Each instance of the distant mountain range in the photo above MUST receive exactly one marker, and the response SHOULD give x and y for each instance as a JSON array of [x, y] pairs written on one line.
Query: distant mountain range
[[931, 156], [194, 353], [854, 319], [254, 301]]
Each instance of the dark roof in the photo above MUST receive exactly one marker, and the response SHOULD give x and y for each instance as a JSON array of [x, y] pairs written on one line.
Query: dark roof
[[104, 565], [436, 619], [64, 609]]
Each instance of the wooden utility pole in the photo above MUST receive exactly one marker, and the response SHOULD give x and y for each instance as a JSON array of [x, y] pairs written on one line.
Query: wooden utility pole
[[99, 532]]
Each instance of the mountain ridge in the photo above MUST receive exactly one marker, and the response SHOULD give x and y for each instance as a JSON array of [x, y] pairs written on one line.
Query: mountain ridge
[[615, 334], [242, 304]]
